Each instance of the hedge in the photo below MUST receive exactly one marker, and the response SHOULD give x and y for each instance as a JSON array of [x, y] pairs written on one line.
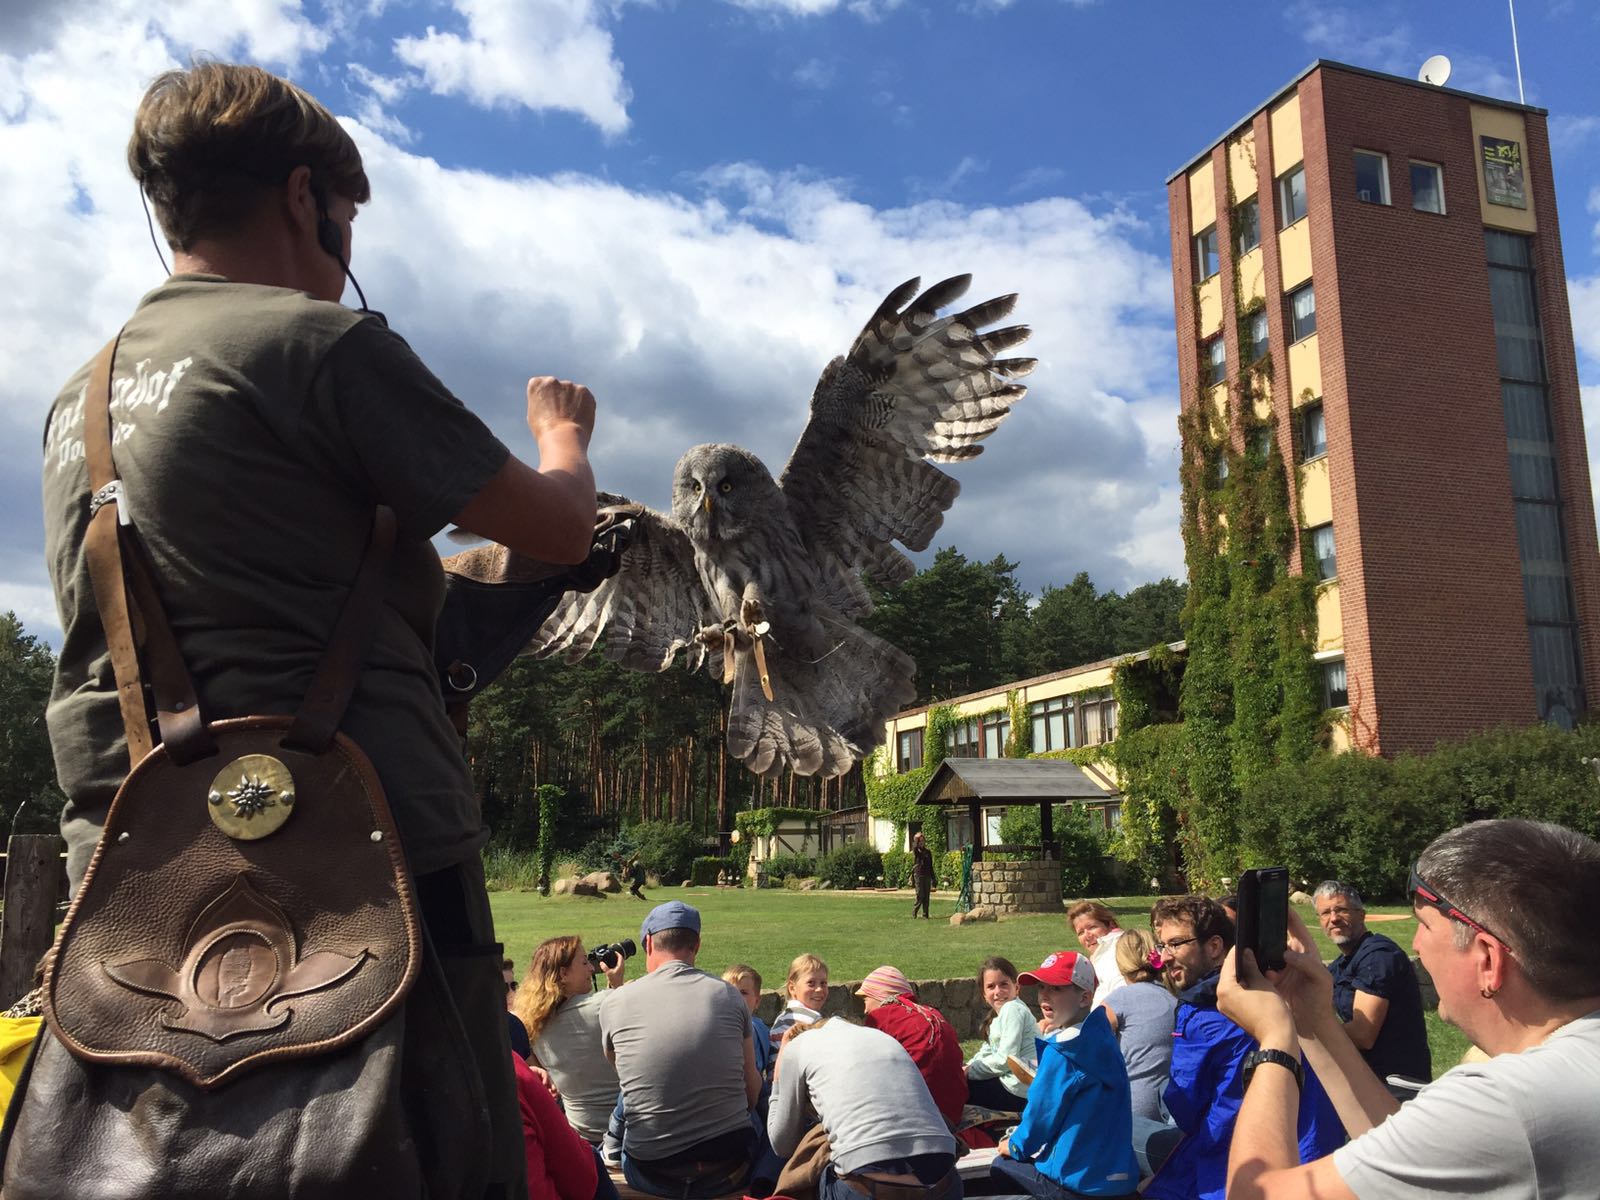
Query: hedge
[[703, 871], [897, 866], [855, 864], [1364, 820]]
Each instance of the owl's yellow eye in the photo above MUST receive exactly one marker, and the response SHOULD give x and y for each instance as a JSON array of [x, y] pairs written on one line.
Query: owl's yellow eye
[[724, 487], [695, 484]]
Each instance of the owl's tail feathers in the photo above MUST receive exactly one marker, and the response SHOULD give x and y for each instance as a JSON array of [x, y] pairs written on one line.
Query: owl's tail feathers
[[826, 713]]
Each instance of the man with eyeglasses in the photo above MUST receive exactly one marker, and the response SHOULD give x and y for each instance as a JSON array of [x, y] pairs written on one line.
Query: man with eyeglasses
[[1505, 926], [1375, 989], [1209, 1054]]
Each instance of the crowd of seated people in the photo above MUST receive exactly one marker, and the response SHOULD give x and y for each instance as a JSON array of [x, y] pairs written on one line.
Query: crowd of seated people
[[1135, 1089]]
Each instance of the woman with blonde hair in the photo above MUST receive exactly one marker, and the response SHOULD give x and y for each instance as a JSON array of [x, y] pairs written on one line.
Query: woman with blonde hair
[[1143, 1012], [558, 1005]]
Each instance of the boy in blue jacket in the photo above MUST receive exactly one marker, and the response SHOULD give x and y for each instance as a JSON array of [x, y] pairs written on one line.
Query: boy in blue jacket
[[1076, 1134]]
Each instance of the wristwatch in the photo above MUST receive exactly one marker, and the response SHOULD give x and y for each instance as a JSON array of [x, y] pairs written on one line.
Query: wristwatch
[[1256, 1057]]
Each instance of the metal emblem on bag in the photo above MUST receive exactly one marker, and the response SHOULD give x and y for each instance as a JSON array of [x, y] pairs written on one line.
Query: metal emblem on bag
[[240, 963], [251, 797]]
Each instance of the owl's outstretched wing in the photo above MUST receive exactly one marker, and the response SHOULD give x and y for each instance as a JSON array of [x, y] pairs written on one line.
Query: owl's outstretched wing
[[915, 389], [646, 613]]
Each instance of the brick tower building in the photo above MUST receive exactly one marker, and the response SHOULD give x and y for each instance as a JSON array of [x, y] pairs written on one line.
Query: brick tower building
[[1393, 248]]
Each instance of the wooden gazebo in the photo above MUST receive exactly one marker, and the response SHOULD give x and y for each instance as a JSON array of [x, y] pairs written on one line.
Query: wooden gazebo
[[1002, 782]]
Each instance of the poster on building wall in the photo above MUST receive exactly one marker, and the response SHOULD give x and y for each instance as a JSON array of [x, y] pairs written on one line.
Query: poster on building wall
[[1502, 172]]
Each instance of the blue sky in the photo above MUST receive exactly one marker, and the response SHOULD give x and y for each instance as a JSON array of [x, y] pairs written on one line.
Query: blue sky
[[692, 205]]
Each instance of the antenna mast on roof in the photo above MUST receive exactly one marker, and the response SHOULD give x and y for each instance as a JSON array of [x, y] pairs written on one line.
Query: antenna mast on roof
[[1515, 53]]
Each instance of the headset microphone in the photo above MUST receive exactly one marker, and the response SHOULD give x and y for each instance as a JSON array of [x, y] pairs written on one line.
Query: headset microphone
[[331, 239]]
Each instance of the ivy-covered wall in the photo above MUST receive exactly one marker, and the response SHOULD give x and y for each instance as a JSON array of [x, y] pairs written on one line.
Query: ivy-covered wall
[[1250, 696]]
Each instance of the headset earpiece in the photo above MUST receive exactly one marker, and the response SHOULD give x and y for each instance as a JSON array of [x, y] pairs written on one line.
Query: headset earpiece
[[328, 235]]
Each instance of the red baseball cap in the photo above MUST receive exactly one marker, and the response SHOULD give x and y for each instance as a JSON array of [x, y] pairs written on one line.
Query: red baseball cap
[[1064, 968]]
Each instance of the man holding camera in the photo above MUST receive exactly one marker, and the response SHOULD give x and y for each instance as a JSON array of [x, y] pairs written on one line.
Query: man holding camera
[[1209, 1058], [680, 1040]]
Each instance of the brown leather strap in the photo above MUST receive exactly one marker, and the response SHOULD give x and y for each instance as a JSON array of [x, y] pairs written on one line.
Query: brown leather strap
[[118, 565], [104, 555], [335, 680]]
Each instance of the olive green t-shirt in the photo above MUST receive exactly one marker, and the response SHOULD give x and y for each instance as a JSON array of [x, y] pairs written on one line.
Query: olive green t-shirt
[[255, 430]]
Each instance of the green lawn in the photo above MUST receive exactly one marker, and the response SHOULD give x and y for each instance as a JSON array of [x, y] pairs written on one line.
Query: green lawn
[[853, 932]]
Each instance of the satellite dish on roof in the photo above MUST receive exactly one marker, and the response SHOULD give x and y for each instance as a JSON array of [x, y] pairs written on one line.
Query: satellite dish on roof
[[1435, 71]]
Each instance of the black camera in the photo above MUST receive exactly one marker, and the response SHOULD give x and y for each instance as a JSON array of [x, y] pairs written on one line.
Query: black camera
[[603, 957]]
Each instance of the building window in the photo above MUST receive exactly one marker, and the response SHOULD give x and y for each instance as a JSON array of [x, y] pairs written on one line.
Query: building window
[[995, 730], [1258, 335], [961, 741], [1535, 481], [1313, 432], [1099, 712], [1292, 195], [1246, 227], [1221, 473], [1206, 261], [1302, 313], [1216, 351], [1322, 551], [1427, 187], [1335, 689], [1372, 177], [908, 750], [1053, 724], [1261, 442]]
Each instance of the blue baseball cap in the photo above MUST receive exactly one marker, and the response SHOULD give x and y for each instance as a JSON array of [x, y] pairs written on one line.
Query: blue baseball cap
[[674, 914]]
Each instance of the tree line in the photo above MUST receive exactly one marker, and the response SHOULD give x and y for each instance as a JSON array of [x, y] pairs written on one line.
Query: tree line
[[626, 747]]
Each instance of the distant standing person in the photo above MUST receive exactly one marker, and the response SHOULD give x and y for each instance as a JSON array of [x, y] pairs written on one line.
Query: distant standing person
[[921, 874], [636, 878], [1375, 989]]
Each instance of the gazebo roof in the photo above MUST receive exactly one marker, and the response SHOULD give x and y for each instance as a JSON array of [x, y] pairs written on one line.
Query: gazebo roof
[[1002, 781]]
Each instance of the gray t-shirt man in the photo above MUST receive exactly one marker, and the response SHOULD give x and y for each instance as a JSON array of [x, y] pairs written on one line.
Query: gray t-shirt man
[[867, 1092], [678, 1039], [1517, 1127]]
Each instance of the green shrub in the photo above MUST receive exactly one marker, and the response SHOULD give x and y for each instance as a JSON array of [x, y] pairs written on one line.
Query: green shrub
[[897, 866], [784, 866], [704, 870], [855, 864], [947, 867], [1364, 820], [506, 868]]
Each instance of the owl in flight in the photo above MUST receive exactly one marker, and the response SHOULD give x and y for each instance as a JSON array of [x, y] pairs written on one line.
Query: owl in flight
[[762, 578]]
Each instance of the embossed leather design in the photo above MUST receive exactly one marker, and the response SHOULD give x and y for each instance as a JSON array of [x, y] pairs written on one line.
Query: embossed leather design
[[208, 956]]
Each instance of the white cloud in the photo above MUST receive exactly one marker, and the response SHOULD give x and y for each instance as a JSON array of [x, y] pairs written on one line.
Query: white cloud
[[815, 73], [1569, 132], [538, 54], [696, 315], [870, 10]]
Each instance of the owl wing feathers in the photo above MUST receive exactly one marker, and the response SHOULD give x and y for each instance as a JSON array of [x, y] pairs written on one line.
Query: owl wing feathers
[[914, 389], [647, 612]]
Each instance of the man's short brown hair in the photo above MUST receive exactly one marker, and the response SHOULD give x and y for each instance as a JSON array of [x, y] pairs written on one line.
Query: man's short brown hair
[[211, 140], [1203, 915]]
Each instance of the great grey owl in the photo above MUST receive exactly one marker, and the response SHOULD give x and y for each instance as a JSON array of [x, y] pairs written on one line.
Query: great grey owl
[[763, 578]]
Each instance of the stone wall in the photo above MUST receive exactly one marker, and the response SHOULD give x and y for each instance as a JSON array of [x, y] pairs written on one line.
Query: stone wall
[[1017, 887]]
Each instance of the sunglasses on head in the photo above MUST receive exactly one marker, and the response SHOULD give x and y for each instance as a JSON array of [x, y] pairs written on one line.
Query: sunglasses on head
[[1423, 892]]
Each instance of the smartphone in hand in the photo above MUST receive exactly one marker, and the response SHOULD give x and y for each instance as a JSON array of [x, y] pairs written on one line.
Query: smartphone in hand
[[1263, 925]]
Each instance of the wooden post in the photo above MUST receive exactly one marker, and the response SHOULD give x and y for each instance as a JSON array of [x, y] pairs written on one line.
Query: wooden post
[[1047, 832], [27, 926], [977, 831]]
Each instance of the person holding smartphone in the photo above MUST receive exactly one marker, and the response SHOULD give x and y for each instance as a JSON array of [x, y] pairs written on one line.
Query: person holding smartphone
[[1505, 927], [1209, 1051]]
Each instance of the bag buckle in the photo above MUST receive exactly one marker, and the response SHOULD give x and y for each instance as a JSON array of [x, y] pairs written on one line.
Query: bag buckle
[[112, 493]]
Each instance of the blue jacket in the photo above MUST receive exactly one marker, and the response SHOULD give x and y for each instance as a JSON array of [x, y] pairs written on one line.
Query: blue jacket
[[1078, 1124], [1204, 1095]]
